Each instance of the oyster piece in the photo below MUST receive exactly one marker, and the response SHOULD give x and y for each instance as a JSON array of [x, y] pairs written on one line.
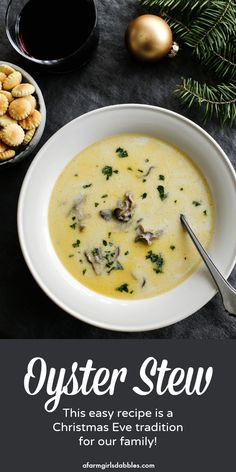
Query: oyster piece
[[102, 260], [95, 257], [125, 208], [76, 207], [78, 211], [112, 259], [106, 214], [147, 236], [123, 212]]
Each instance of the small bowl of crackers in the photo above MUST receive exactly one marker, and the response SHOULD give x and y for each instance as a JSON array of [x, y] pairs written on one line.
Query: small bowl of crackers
[[22, 114]]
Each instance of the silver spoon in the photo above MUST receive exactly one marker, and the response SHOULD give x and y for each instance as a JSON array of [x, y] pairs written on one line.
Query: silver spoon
[[228, 293]]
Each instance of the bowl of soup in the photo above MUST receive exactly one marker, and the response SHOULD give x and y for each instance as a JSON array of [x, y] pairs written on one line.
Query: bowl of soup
[[99, 217]]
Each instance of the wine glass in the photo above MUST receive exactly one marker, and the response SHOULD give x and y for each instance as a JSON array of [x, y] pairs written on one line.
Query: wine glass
[[41, 17]]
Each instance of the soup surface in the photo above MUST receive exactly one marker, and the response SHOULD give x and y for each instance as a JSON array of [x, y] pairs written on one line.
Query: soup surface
[[114, 216]]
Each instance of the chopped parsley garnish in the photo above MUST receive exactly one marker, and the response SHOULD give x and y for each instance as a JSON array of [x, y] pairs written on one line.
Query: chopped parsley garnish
[[195, 203], [157, 260], [121, 152], [108, 256], [162, 193], [104, 196], [76, 243], [185, 258], [73, 218], [84, 271], [75, 175], [144, 180], [96, 204], [116, 266], [129, 168], [146, 160], [126, 253], [109, 234], [144, 195], [172, 248], [95, 252], [140, 170], [87, 185], [181, 189], [123, 288], [175, 201], [73, 226], [205, 212], [108, 171], [161, 177], [71, 255]]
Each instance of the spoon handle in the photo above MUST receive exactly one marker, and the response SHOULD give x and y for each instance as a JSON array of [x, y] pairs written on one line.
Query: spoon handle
[[228, 293]]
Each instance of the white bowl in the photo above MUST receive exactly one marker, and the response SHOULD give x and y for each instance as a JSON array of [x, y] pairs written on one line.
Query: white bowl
[[55, 280]]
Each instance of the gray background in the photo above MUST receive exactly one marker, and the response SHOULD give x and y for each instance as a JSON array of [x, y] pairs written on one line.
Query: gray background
[[207, 443], [111, 77]]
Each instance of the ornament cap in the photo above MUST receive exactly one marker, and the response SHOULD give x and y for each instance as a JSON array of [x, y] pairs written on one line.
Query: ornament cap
[[174, 50]]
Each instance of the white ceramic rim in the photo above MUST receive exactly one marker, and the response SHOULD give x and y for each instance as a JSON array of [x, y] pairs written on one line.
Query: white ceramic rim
[[85, 318]]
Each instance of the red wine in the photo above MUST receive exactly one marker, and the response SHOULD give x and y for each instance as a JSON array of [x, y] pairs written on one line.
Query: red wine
[[49, 29]]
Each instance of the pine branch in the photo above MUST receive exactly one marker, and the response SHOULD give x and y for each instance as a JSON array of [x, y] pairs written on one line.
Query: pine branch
[[208, 27], [189, 7], [179, 29], [213, 27], [222, 62], [179, 14], [219, 101]]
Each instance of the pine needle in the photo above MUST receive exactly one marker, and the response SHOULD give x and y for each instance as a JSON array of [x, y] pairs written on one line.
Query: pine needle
[[179, 14], [213, 27], [179, 29], [218, 101], [222, 62], [189, 7]]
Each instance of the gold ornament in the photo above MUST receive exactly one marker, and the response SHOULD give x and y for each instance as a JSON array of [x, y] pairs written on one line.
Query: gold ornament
[[149, 38]]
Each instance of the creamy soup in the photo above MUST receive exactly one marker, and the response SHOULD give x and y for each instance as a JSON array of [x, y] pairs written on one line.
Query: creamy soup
[[114, 216]]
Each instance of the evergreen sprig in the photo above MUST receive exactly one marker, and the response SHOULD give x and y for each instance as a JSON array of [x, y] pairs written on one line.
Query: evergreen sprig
[[177, 7], [178, 14], [208, 28], [219, 100], [180, 29], [222, 60], [213, 27]]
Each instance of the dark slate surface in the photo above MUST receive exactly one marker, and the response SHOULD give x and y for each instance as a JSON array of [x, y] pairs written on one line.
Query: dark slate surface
[[111, 77]]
